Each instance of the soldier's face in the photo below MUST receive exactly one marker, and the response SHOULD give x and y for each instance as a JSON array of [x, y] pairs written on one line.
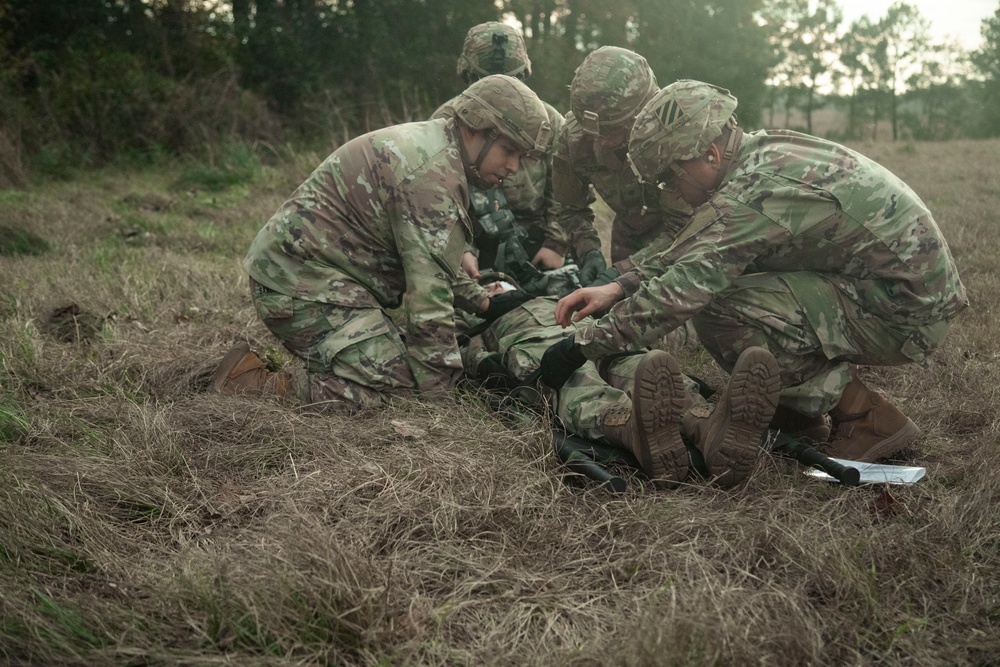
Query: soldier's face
[[503, 159], [695, 180], [607, 146], [612, 140]]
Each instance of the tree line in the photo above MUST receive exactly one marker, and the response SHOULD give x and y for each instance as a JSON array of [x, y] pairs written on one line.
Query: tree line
[[85, 81]]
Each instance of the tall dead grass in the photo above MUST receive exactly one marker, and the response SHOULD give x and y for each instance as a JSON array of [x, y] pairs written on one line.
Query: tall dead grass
[[145, 522]]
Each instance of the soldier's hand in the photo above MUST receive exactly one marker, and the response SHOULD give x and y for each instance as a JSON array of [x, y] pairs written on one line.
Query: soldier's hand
[[470, 264], [494, 375], [503, 303], [591, 267], [587, 301], [560, 361], [547, 258]]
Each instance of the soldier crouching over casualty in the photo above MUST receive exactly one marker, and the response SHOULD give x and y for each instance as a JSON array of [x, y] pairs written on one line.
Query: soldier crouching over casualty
[[519, 226], [797, 245], [383, 223], [639, 402]]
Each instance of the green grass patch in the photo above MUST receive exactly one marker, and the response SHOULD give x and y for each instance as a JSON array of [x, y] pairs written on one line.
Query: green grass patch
[[71, 626], [237, 165], [13, 425], [16, 241]]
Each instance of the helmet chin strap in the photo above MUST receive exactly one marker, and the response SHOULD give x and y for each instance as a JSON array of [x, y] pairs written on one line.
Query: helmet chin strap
[[491, 138], [473, 167], [732, 145], [682, 175]]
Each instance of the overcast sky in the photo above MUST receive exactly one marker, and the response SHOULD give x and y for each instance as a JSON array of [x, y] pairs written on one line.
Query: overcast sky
[[958, 19]]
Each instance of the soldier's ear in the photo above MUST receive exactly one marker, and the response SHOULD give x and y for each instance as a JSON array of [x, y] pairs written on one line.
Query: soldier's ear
[[713, 155]]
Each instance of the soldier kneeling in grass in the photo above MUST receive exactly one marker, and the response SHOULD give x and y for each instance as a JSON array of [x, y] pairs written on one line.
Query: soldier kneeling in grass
[[381, 224], [797, 245]]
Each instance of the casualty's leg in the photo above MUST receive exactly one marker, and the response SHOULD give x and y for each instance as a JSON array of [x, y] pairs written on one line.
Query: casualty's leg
[[728, 433], [650, 427]]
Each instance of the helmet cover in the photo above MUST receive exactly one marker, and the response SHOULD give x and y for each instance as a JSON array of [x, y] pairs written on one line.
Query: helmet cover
[[609, 88], [493, 48], [507, 105], [678, 124]]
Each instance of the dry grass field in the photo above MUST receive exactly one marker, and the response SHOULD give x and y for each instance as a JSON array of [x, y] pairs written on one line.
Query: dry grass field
[[143, 522]]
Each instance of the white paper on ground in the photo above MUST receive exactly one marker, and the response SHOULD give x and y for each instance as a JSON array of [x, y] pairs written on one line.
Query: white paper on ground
[[876, 473]]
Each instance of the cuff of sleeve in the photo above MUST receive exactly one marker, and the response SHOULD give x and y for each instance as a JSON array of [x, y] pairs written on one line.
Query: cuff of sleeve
[[581, 249], [629, 283], [585, 343], [624, 266], [469, 300], [554, 245]]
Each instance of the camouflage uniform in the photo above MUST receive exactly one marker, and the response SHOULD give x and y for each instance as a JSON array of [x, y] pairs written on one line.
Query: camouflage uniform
[[806, 248], [498, 48], [610, 85], [592, 395], [529, 194], [382, 222]]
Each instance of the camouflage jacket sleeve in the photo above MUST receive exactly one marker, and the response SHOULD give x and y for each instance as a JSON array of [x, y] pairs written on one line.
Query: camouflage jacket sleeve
[[792, 203], [671, 286], [571, 189], [431, 263], [468, 293], [431, 230], [557, 235]]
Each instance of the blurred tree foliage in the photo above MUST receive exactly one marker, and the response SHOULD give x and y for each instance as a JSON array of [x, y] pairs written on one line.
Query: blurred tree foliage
[[83, 81], [987, 62]]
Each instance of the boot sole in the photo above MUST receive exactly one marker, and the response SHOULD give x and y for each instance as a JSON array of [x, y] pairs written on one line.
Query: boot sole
[[659, 402], [226, 366], [752, 397]]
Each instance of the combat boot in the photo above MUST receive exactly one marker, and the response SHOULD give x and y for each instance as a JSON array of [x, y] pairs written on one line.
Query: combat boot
[[728, 433], [799, 426], [242, 372], [651, 429], [866, 427]]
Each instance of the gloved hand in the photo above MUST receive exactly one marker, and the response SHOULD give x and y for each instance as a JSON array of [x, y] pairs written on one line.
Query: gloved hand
[[503, 303], [591, 266], [560, 361], [494, 376], [606, 276]]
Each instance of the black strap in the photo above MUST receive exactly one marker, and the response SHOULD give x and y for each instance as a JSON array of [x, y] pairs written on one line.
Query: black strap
[[499, 56]]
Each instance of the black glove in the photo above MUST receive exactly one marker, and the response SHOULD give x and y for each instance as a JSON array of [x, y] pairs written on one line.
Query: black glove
[[503, 303], [560, 361], [494, 376], [606, 276], [591, 266]]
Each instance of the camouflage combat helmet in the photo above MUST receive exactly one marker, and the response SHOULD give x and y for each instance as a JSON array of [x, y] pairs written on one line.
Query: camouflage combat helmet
[[678, 124], [609, 88], [507, 105], [493, 48]]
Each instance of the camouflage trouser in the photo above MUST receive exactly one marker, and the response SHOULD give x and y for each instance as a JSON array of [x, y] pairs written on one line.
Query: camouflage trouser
[[813, 330], [523, 335], [352, 355]]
